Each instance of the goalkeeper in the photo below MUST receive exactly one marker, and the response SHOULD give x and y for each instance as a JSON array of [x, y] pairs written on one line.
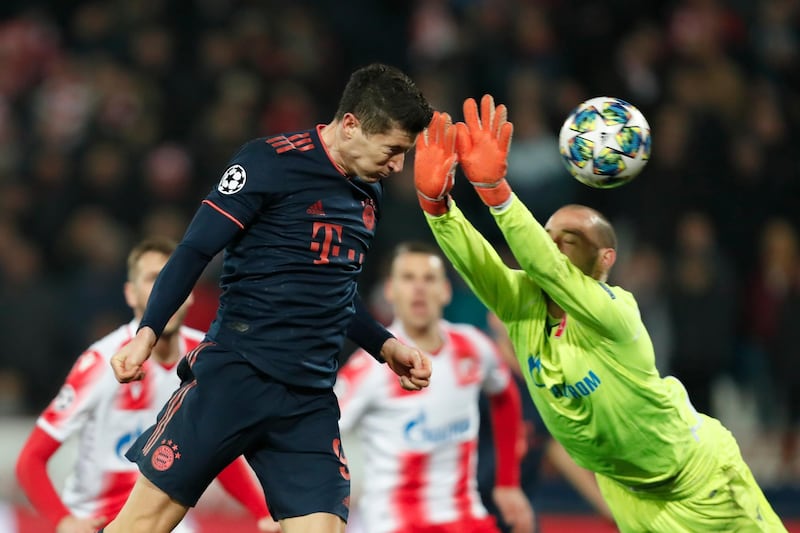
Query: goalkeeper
[[587, 358]]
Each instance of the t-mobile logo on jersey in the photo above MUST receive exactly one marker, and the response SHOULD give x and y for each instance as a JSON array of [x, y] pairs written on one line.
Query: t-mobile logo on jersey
[[326, 239]]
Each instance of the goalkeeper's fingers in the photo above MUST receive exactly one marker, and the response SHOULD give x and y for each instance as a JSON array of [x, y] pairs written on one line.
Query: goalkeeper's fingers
[[471, 117]]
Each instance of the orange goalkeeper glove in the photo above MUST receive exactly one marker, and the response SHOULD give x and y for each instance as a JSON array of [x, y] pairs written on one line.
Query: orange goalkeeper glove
[[435, 164], [482, 145]]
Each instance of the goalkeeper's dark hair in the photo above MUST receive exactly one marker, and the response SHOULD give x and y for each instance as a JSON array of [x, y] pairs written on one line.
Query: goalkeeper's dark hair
[[382, 97], [161, 245]]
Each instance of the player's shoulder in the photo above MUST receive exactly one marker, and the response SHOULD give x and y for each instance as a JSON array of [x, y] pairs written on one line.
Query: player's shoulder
[[294, 143], [621, 295], [93, 367], [360, 366], [107, 346], [280, 144], [461, 332]]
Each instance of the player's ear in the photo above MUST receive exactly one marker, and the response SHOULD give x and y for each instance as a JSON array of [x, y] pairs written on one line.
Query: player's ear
[[130, 297], [388, 290], [349, 124], [608, 256], [447, 296]]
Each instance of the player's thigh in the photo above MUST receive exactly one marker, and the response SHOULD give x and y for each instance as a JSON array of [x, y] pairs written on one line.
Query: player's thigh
[[301, 463], [205, 425], [148, 509], [313, 523]]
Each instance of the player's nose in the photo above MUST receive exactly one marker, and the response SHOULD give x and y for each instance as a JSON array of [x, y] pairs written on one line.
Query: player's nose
[[396, 163]]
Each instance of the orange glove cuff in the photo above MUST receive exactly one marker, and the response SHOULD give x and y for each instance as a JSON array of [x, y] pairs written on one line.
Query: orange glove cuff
[[433, 207], [495, 194]]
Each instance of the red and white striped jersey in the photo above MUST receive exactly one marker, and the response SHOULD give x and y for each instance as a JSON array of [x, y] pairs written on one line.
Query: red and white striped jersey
[[107, 417], [420, 448]]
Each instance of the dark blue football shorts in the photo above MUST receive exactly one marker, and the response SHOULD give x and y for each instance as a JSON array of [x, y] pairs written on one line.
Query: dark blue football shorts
[[225, 408]]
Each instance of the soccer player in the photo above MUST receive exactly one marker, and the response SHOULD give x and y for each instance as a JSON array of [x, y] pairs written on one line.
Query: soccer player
[[107, 417], [540, 446], [295, 213], [587, 357], [420, 449]]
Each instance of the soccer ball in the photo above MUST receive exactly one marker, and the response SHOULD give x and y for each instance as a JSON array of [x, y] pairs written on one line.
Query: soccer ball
[[605, 142]]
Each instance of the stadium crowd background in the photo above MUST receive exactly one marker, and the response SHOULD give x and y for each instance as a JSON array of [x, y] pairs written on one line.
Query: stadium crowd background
[[116, 118]]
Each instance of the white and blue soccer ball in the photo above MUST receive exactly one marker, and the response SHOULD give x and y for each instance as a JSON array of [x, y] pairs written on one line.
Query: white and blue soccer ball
[[605, 142]]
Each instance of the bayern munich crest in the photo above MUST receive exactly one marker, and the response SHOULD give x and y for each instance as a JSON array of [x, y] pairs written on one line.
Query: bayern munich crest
[[232, 180]]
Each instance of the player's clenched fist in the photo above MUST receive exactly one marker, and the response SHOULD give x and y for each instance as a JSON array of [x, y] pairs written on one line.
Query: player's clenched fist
[[482, 144], [127, 362], [435, 164], [413, 366]]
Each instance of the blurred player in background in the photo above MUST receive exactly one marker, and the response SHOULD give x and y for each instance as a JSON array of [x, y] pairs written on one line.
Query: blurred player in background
[[587, 357], [540, 446], [296, 214], [420, 448], [107, 417]]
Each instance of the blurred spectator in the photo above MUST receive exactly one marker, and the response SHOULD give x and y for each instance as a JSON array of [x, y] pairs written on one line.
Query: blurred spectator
[[703, 309], [534, 162], [772, 301], [31, 361], [644, 274]]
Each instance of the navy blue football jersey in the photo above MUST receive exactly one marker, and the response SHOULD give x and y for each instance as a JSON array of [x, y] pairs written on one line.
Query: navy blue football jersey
[[289, 277]]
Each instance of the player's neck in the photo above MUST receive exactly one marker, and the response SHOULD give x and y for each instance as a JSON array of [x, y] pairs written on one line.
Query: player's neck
[[168, 349], [427, 338], [329, 134], [553, 309]]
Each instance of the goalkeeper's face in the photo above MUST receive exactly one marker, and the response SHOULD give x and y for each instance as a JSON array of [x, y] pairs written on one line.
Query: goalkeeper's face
[[375, 156], [574, 230], [140, 285]]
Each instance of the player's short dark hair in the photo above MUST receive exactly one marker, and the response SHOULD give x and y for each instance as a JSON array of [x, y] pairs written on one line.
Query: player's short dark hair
[[162, 245], [413, 247], [383, 97]]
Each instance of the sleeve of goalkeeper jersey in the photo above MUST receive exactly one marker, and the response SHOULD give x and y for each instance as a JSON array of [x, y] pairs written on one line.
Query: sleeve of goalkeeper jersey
[[609, 311], [506, 292]]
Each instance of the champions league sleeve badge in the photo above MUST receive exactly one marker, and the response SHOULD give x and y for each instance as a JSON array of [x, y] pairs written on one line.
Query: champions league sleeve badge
[[233, 180]]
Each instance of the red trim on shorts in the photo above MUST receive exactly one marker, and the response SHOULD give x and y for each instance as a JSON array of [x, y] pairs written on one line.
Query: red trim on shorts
[[172, 407]]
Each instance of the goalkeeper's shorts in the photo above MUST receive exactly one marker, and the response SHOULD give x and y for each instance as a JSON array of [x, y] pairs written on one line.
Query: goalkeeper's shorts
[[721, 496]]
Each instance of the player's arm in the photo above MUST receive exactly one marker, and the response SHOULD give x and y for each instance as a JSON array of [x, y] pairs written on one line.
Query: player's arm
[[483, 141], [411, 365], [493, 282], [31, 471], [226, 211], [501, 289], [506, 415], [357, 382], [238, 481], [66, 414], [505, 412], [208, 233], [367, 332], [590, 301], [582, 480]]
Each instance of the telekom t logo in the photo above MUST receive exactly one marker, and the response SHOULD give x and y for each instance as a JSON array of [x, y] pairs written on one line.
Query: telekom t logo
[[327, 247]]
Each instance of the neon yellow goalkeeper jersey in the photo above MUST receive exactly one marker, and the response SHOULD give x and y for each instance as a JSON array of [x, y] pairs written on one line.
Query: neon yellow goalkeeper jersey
[[592, 374]]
